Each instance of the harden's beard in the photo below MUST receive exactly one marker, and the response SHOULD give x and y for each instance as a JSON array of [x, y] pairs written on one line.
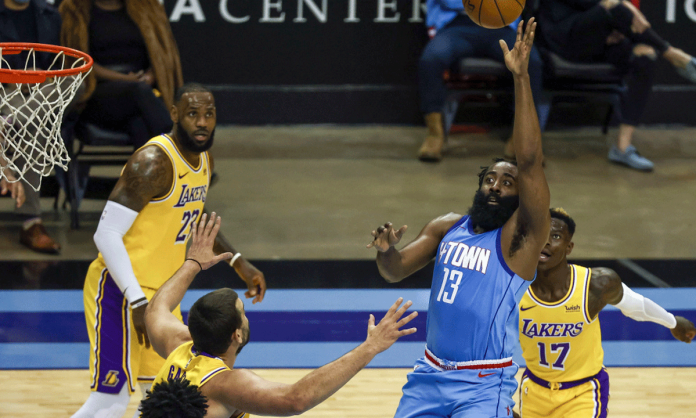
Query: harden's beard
[[490, 217], [191, 144]]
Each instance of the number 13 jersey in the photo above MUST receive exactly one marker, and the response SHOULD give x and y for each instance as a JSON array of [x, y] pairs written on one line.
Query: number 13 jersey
[[472, 313], [560, 342], [156, 242]]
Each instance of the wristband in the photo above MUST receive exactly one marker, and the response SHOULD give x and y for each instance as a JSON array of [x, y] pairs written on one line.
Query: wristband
[[236, 256], [195, 261], [135, 305]]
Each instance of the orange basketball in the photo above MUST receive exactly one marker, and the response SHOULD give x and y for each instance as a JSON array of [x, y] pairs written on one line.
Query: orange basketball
[[493, 14]]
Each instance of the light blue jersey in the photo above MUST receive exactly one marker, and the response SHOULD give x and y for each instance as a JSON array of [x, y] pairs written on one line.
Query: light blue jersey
[[473, 299], [467, 370]]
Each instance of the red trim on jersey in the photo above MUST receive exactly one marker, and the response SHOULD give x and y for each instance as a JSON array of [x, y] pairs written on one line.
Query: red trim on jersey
[[440, 364]]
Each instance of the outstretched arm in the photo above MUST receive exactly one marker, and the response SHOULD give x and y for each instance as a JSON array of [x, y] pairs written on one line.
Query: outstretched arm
[[606, 288], [395, 265], [243, 390], [525, 234], [165, 330]]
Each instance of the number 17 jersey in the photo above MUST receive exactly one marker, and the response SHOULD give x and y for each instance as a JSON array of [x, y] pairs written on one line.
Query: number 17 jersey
[[473, 313], [156, 242], [560, 342]]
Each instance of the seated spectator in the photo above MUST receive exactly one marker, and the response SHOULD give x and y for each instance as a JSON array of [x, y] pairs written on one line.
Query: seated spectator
[[29, 21], [613, 31], [136, 61], [453, 37]]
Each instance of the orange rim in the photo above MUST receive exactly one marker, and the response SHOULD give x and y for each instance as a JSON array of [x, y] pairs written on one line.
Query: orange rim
[[39, 76]]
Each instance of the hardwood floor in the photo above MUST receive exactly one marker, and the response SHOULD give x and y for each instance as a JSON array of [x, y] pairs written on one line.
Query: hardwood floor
[[635, 393]]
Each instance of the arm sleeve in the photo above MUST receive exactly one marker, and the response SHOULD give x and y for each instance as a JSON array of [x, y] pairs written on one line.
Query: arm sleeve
[[640, 308], [115, 221]]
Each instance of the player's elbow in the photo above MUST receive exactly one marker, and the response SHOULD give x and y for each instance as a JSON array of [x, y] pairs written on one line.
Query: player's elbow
[[389, 274], [100, 238], [392, 278]]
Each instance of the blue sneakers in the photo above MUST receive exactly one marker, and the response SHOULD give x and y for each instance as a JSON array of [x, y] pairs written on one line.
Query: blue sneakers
[[630, 158], [689, 72]]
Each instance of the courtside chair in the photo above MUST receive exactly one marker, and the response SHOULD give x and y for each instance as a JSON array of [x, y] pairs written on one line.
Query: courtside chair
[[93, 146], [486, 80]]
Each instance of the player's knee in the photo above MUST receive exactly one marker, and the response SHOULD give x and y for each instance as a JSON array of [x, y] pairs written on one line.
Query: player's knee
[[436, 54], [621, 15], [642, 50]]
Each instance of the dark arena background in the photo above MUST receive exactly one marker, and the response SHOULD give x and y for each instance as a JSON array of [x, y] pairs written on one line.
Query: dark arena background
[[317, 140]]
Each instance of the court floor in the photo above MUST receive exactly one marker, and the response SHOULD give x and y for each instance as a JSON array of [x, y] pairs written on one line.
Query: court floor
[[635, 393]]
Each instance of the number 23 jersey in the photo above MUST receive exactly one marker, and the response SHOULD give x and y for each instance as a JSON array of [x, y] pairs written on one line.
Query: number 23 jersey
[[156, 242], [560, 342]]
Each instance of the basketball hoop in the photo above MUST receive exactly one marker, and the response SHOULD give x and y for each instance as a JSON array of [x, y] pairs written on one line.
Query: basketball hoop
[[32, 103]]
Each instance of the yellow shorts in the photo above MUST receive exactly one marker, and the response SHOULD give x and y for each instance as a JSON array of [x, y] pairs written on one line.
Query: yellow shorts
[[116, 356], [588, 400]]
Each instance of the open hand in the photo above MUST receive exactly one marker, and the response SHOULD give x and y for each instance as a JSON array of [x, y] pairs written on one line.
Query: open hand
[[517, 59], [684, 331], [383, 335], [202, 241], [386, 237]]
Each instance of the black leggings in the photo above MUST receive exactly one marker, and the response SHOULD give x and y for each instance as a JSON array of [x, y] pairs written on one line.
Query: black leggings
[[588, 43], [128, 106]]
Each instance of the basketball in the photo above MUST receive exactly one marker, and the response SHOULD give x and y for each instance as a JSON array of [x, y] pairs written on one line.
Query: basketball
[[493, 14]]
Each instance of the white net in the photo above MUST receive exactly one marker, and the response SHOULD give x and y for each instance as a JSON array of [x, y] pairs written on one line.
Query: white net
[[31, 116]]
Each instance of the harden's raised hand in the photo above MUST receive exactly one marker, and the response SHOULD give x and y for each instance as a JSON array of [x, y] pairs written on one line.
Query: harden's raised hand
[[517, 59]]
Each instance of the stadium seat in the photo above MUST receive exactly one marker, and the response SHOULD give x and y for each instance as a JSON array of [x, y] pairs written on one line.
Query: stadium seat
[[564, 81], [94, 146]]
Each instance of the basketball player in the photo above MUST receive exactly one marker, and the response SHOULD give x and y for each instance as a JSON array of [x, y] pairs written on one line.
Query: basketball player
[[174, 398], [560, 335], [484, 263], [205, 351], [141, 239]]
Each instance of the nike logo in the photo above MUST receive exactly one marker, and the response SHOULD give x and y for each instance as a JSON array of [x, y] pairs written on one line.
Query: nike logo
[[527, 308], [486, 375], [183, 175]]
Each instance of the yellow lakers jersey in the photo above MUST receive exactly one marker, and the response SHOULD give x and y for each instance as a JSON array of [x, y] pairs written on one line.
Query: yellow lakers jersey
[[185, 362], [560, 342], [156, 243]]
